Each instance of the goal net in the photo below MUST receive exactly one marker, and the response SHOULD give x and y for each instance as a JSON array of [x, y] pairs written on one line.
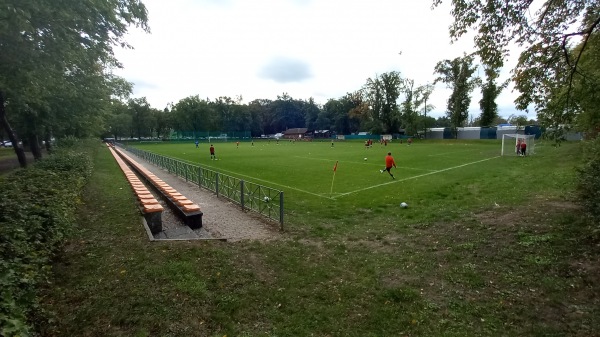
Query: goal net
[[511, 144], [219, 139]]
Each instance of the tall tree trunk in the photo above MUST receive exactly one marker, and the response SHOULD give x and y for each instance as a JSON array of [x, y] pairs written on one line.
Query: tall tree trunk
[[10, 133], [34, 145]]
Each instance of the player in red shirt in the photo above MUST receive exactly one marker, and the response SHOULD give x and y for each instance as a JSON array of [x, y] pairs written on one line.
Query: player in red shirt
[[212, 152], [389, 163], [523, 148]]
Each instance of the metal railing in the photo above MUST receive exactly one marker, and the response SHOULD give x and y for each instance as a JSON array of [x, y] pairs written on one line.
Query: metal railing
[[261, 199]]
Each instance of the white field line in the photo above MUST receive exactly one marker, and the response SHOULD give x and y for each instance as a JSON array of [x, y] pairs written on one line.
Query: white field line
[[254, 178], [362, 162], [414, 177]]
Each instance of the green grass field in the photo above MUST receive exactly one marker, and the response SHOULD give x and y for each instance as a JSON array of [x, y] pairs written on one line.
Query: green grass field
[[435, 177], [488, 247]]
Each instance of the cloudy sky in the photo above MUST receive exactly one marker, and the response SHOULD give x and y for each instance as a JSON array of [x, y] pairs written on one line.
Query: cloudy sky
[[306, 48]]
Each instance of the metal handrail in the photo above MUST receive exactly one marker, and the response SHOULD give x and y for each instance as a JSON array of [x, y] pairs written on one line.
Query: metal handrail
[[261, 199]]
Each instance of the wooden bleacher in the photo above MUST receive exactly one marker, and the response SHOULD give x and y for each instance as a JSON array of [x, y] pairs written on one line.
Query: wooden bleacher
[[184, 208]]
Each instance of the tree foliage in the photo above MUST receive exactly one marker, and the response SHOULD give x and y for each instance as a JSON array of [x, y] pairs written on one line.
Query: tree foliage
[[382, 93], [548, 66], [458, 76], [490, 90], [53, 57]]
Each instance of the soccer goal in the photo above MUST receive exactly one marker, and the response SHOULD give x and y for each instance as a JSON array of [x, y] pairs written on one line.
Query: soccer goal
[[220, 139], [510, 142]]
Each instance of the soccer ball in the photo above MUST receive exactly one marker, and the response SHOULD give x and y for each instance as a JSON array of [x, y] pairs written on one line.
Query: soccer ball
[[365, 158], [403, 205], [267, 199]]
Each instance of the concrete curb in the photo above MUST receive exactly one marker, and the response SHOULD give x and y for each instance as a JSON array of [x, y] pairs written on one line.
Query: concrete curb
[[151, 237]]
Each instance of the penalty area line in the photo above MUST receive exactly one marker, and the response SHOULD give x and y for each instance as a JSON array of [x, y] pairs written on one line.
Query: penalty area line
[[414, 177]]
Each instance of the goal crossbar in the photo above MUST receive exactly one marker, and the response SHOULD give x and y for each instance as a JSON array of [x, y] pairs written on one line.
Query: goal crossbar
[[511, 144]]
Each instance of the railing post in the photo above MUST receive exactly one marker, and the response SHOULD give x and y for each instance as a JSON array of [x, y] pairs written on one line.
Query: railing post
[[186, 172], [199, 176], [281, 210], [242, 194], [176, 169], [217, 183]]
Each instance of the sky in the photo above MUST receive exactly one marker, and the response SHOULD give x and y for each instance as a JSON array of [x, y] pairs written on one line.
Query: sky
[[261, 49]]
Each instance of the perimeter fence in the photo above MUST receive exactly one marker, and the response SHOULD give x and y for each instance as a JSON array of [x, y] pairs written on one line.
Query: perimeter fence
[[261, 199]]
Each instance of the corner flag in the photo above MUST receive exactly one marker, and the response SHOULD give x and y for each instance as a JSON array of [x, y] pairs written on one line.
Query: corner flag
[[334, 170]]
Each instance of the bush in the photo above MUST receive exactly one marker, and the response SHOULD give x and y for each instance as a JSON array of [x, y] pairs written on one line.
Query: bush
[[37, 211], [589, 182]]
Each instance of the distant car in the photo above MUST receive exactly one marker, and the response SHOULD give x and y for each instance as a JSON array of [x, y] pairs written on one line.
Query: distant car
[[7, 143]]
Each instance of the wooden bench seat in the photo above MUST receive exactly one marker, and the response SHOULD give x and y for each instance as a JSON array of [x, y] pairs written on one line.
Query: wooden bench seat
[[150, 208], [184, 208]]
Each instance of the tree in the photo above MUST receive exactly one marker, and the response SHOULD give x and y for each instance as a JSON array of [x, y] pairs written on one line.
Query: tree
[[347, 114], [382, 95], [520, 121], [408, 107], [193, 114], [443, 122], [164, 123], [583, 96], [458, 76], [43, 43], [141, 117], [262, 118], [311, 113], [224, 108], [119, 123], [489, 92], [288, 113], [415, 101], [547, 67]]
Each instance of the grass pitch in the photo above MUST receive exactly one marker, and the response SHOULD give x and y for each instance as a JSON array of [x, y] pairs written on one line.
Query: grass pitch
[[435, 178], [487, 247]]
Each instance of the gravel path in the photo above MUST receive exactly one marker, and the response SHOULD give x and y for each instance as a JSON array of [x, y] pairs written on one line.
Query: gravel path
[[222, 219]]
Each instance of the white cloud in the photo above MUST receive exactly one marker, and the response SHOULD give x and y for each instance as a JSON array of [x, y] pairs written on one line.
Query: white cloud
[[306, 48]]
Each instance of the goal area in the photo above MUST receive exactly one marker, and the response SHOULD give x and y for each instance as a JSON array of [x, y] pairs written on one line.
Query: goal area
[[510, 142]]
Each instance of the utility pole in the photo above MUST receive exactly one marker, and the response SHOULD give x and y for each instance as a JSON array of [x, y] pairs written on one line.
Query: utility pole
[[425, 119]]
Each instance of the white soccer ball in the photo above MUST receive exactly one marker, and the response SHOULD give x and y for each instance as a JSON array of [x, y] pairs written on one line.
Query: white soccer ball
[[365, 158], [403, 205], [267, 199]]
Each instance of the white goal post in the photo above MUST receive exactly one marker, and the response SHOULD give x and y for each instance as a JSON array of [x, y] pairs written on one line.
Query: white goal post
[[510, 141], [221, 138]]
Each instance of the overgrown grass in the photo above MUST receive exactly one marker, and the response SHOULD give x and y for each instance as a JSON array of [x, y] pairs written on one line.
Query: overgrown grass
[[7, 152], [452, 264]]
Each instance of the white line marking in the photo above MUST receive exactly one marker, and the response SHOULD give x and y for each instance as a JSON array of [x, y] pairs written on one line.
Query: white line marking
[[414, 177], [254, 178], [362, 163]]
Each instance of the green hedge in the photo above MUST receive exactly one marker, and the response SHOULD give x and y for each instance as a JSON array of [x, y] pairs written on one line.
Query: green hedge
[[37, 211], [589, 183]]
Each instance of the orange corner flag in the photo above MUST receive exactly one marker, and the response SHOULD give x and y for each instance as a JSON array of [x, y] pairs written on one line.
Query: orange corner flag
[[335, 166]]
